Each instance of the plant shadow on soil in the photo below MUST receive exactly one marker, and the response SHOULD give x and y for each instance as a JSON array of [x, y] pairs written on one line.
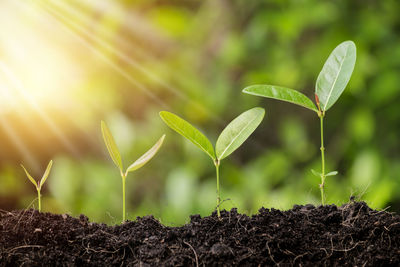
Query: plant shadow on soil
[[349, 235]]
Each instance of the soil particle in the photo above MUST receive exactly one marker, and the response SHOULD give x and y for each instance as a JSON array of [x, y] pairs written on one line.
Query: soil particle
[[350, 235]]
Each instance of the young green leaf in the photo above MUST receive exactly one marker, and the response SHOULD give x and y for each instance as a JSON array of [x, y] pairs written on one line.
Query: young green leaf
[[331, 173], [316, 173], [188, 131], [146, 156], [29, 176], [335, 74], [46, 174], [281, 93], [238, 131], [111, 146]]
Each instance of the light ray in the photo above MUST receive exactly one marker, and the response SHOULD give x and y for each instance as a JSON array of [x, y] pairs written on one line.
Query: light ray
[[124, 57], [17, 85], [130, 61], [62, 20], [11, 99], [12, 134]]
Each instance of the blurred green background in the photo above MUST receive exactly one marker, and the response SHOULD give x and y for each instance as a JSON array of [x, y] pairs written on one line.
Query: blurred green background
[[66, 65]]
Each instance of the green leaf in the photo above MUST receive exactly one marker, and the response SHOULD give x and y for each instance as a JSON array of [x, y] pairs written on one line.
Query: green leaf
[[188, 131], [238, 131], [146, 156], [281, 93], [335, 74], [316, 173], [111, 146], [331, 173], [46, 174], [29, 176]]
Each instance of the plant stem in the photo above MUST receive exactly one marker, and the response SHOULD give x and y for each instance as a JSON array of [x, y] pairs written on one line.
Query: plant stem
[[321, 186], [123, 196], [216, 163], [38, 192]]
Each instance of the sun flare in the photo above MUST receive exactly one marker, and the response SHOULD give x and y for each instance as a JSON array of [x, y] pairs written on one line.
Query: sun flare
[[34, 55]]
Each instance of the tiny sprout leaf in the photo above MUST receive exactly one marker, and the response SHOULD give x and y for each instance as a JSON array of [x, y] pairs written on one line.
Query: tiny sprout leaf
[[146, 156], [281, 93], [111, 145], [46, 174], [316, 173], [188, 131], [335, 74], [29, 176], [331, 173], [238, 131]]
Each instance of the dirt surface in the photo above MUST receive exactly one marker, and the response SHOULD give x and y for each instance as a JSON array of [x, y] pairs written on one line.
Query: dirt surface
[[351, 235]]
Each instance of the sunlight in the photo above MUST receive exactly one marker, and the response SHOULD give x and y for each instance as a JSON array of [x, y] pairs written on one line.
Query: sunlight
[[80, 31], [47, 51], [35, 57], [12, 135], [28, 99]]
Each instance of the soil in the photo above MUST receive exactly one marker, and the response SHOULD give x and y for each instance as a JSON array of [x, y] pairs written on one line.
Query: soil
[[350, 235]]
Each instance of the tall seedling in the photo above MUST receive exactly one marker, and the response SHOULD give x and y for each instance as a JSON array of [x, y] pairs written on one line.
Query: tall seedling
[[229, 140], [331, 82], [116, 158], [40, 183]]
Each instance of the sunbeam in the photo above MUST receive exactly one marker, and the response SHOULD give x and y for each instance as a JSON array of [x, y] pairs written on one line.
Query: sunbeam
[[72, 27], [121, 56], [15, 139], [17, 85]]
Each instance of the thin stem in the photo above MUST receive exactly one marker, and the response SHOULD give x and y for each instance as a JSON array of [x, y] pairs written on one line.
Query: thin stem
[[321, 116], [40, 205], [216, 163], [123, 196]]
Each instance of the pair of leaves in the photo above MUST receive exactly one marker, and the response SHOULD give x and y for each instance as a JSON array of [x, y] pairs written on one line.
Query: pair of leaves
[[331, 81], [116, 155], [229, 140], [332, 173], [44, 177]]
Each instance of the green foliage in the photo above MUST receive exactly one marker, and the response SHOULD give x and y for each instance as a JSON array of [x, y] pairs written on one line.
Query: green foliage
[[238, 131], [116, 157], [335, 74], [111, 146], [231, 138], [188, 131], [281, 93], [39, 184], [331, 82], [145, 157]]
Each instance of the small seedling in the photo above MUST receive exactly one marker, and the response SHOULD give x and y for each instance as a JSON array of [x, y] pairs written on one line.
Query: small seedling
[[331, 82], [38, 184], [116, 158], [229, 140]]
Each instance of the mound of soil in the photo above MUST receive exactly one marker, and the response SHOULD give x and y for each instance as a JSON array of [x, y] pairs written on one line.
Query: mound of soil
[[350, 235]]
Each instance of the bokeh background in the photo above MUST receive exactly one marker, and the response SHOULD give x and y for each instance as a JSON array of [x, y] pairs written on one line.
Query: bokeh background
[[67, 65]]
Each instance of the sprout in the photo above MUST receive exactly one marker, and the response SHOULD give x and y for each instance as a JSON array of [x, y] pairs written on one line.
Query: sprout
[[39, 185], [229, 140], [116, 158], [330, 84]]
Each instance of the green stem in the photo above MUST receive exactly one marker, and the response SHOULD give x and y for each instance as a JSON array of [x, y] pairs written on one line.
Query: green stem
[[40, 205], [123, 197], [216, 163], [321, 186]]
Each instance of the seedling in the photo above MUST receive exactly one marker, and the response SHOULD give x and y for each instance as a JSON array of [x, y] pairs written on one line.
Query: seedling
[[38, 184], [229, 140], [331, 82], [116, 158]]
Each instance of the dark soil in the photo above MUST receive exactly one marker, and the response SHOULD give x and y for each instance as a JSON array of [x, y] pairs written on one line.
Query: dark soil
[[352, 235]]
